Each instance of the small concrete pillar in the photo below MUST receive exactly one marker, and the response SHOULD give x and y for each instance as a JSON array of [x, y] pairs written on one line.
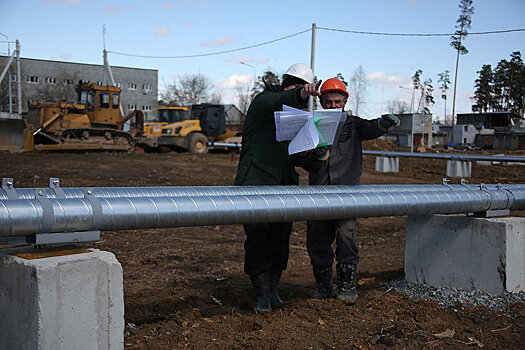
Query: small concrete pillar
[[62, 302], [466, 252], [387, 164], [459, 168]]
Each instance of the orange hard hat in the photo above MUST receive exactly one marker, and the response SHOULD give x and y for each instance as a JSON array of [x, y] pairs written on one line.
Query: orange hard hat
[[334, 85]]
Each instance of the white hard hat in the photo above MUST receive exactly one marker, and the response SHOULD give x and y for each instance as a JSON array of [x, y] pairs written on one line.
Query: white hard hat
[[301, 71]]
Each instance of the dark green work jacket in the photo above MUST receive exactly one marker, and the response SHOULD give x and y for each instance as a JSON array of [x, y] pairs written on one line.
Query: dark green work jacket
[[263, 160]]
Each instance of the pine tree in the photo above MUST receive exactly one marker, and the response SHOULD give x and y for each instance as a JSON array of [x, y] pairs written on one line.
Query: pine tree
[[462, 26], [484, 94]]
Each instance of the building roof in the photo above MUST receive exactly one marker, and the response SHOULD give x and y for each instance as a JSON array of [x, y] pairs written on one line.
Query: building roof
[[79, 63]]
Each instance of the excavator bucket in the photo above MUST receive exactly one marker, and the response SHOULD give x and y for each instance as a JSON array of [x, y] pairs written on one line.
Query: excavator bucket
[[15, 136]]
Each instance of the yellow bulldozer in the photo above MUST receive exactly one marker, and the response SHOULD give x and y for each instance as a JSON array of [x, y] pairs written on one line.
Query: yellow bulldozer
[[93, 123], [188, 129]]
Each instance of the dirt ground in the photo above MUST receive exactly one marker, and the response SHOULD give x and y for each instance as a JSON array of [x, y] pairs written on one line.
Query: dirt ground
[[184, 288]]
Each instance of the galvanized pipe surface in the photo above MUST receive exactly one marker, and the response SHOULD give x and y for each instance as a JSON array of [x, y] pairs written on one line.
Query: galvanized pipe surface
[[458, 156], [29, 216], [178, 191]]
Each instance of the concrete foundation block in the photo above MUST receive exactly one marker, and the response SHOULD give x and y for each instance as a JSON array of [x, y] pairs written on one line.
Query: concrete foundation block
[[466, 252], [387, 164], [64, 302], [459, 168]]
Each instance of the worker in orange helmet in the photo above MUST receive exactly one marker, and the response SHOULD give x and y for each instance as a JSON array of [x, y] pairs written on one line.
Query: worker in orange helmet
[[339, 164]]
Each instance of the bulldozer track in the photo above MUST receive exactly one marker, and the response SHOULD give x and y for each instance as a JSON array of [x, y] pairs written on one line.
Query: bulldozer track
[[92, 139]]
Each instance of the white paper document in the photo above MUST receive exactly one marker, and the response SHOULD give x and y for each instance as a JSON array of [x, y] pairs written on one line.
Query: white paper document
[[326, 122], [306, 130], [307, 138], [289, 122]]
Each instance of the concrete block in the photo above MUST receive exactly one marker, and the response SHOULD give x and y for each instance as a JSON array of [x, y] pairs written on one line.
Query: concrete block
[[64, 302], [459, 168], [466, 252], [387, 164]]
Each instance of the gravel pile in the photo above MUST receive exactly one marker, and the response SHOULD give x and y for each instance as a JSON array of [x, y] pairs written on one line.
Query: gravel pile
[[448, 297]]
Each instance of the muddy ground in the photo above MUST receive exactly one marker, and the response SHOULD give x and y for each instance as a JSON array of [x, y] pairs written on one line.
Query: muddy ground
[[184, 287]]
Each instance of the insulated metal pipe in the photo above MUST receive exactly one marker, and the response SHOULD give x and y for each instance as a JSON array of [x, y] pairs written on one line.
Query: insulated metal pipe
[[458, 156], [178, 191], [20, 217]]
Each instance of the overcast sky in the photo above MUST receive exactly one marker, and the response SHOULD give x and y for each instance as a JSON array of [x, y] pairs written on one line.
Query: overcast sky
[[71, 30]]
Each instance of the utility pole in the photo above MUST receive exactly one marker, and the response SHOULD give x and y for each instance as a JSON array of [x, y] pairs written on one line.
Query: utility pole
[[18, 79], [9, 75], [104, 47], [312, 64]]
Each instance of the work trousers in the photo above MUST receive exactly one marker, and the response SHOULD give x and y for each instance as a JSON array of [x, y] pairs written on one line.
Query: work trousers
[[319, 238], [266, 247]]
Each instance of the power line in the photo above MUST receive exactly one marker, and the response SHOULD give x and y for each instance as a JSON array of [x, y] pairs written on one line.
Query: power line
[[215, 53], [419, 34], [320, 28]]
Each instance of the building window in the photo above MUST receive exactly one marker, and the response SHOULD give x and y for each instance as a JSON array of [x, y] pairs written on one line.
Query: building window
[[119, 85], [13, 77], [132, 107], [102, 83], [465, 127], [115, 101], [32, 79], [132, 86], [146, 87], [68, 82], [51, 80], [146, 108], [103, 101]]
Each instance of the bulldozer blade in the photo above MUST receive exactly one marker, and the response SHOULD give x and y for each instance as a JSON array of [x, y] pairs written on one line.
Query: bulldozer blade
[[15, 136]]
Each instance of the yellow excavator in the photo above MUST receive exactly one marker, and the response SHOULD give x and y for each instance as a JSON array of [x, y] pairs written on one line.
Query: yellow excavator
[[93, 123], [188, 129]]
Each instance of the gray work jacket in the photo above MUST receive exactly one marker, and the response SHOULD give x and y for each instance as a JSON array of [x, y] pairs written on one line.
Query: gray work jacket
[[344, 165]]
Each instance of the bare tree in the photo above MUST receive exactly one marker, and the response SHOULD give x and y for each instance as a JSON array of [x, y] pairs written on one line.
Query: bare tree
[[426, 89], [59, 88], [4, 95], [243, 98], [358, 85], [444, 79], [188, 90], [398, 107], [215, 98]]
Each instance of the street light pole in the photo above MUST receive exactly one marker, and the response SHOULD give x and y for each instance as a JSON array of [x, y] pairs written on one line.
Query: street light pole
[[252, 67]]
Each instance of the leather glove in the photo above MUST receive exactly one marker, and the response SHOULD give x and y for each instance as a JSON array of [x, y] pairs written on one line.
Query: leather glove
[[387, 121], [322, 152]]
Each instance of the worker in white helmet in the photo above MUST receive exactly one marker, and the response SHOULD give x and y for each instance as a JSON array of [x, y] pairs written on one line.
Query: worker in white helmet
[[264, 161]]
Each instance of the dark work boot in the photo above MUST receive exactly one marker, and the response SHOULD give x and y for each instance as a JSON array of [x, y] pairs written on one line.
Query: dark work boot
[[261, 283], [323, 279], [275, 277], [346, 280]]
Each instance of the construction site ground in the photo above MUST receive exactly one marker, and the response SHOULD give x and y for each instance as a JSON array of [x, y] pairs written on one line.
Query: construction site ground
[[185, 287]]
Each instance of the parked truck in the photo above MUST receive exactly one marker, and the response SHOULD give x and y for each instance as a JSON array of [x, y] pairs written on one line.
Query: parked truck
[[188, 129]]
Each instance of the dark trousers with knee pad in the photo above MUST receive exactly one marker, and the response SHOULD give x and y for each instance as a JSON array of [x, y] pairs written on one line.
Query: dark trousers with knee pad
[[319, 238]]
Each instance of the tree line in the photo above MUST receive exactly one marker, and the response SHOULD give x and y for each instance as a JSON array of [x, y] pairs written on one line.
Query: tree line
[[501, 88]]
